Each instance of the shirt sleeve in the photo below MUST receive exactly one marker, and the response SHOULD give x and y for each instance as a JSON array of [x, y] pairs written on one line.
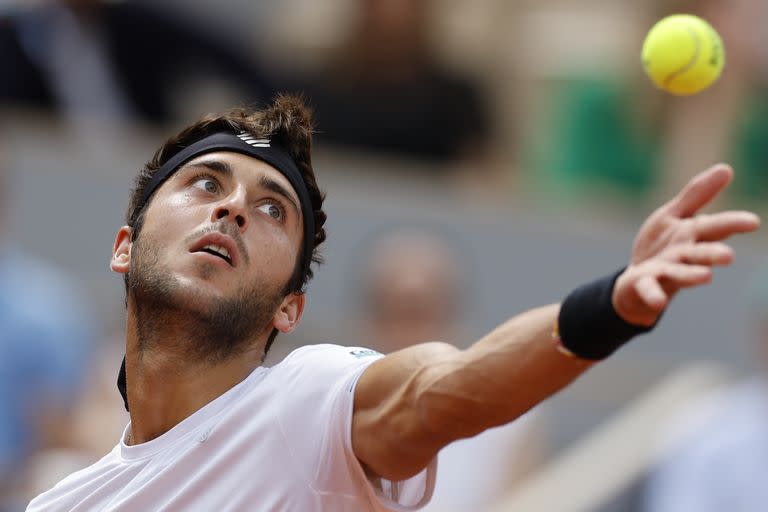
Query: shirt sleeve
[[317, 425]]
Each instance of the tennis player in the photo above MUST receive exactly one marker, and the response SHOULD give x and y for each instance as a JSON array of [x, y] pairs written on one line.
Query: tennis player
[[221, 230]]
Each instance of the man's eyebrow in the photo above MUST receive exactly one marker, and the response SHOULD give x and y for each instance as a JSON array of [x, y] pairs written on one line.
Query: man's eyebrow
[[268, 183], [217, 166]]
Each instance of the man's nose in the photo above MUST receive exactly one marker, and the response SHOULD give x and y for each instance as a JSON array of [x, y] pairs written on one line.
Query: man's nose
[[233, 208]]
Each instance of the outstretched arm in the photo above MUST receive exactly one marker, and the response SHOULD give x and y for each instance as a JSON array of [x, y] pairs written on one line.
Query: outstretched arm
[[413, 402]]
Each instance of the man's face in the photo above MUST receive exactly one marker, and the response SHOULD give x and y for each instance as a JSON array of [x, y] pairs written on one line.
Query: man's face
[[220, 241]]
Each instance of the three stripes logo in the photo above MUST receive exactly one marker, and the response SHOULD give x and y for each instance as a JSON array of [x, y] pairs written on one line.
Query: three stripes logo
[[257, 143]]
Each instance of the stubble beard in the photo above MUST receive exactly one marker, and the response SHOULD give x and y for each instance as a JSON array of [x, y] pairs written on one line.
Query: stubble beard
[[207, 329]]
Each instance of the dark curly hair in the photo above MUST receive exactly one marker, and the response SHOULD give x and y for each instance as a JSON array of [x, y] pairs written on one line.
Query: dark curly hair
[[288, 121]]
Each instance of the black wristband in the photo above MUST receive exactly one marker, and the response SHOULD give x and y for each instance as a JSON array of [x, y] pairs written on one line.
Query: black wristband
[[588, 325]]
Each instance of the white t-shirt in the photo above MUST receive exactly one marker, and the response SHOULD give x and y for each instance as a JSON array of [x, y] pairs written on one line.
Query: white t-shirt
[[279, 440]]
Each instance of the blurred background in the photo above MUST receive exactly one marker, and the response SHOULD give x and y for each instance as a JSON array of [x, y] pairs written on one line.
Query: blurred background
[[500, 152]]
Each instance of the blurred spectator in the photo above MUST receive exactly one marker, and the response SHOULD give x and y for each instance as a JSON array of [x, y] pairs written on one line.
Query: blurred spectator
[[413, 289], [616, 132], [384, 91], [716, 451], [720, 458], [45, 341], [113, 59]]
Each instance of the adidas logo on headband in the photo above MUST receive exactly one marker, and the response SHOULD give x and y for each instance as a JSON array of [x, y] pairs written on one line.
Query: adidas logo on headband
[[257, 143]]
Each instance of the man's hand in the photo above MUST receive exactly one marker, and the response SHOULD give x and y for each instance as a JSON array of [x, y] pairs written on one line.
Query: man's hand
[[676, 248]]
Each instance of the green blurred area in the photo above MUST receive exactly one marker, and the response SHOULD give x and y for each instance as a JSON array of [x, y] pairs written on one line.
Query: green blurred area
[[595, 140]]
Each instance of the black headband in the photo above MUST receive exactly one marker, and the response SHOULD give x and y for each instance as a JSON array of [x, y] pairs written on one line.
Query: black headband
[[261, 149]]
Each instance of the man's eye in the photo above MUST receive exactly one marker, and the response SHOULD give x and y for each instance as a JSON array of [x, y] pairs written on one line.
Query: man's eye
[[272, 210], [207, 184]]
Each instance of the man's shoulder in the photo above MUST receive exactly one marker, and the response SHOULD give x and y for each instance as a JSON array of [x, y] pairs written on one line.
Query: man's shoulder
[[323, 362], [329, 352]]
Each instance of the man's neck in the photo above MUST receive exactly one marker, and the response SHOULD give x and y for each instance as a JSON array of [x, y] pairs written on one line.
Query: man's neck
[[166, 385]]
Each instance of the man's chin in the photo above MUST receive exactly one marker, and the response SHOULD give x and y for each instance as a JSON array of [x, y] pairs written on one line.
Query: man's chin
[[181, 293], [199, 295]]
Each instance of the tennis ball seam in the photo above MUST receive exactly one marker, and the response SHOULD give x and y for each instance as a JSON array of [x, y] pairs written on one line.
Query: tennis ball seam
[[691, 63]]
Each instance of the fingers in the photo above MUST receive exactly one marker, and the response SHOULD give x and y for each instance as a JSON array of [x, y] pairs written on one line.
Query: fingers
[[676, 248], [680, 266], [702, 253], [700, 191], [656, 287], [651, 293], [719, 226], [680, 275]]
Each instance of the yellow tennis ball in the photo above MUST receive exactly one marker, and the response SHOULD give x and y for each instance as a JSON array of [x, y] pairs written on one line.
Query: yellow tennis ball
[[683, 54]]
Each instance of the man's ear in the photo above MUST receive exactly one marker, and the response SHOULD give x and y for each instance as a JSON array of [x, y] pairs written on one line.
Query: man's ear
[[289, 313], [121, 252]]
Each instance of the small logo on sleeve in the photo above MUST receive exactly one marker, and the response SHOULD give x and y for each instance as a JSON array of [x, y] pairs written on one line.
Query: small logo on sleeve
[[364, 352]]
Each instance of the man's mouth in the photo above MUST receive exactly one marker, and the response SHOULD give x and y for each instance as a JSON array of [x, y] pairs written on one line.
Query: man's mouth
[[218, 244], [217, 250]]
